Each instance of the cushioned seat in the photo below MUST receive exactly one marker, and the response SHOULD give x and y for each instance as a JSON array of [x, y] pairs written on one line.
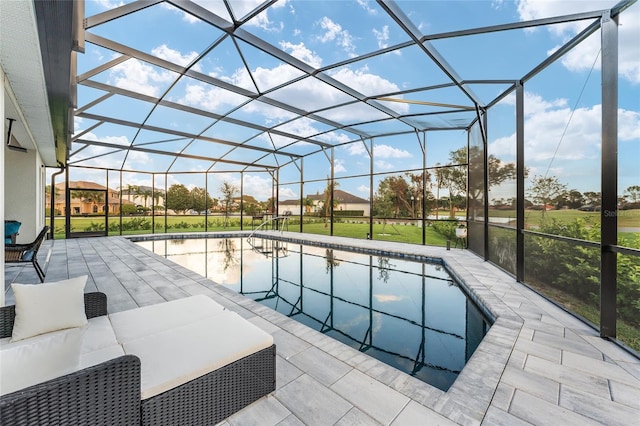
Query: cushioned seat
[[99, 343], [177, 355], [136, 323]]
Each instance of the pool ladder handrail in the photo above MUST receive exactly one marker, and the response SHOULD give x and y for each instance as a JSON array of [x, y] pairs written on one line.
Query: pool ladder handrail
[[284, 218]]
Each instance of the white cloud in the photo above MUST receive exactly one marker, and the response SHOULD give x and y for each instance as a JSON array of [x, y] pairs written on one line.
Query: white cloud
[[209, 98], [302, 127], [109, 4], [286, 194], [383, 165], [334, 32], [109, 161], [301, 52], [356, 149], [262, 21], [582, 57], [628, 125], [363, 189], [386, 151], [382, 36], [545, 124], [365, 5], [140, 77], [338, 166], [369, 84], [257, 186], [379, 151], [171, 55]]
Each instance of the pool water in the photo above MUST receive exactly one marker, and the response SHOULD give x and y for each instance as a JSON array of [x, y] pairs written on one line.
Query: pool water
[[411, 315]]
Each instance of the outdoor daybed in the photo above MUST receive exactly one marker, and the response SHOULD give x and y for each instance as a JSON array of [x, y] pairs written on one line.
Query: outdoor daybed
[[185, 362]]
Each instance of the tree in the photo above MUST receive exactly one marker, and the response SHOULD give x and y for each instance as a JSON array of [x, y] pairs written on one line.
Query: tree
[[270, 205], [545, 189], [178, 198], [392, 198], [455, 178], [128, 209], [146, 194], [131, 189], [308, 204], [418, 190], [228, 194], [200, 199], [250, 205], [573, 199], [156, 199], [593, 198], [328, 191], [634, 193]]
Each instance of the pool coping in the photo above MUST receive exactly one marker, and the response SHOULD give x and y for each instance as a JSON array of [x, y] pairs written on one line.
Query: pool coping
[[469, 397]]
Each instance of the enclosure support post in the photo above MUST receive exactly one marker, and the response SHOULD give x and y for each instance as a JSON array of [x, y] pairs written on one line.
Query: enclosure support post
[[370, 234], [67, 207], [332, 188], [520, 172], [423, 195], [609, 176], [302, 196], [241, 201], [153, 206]]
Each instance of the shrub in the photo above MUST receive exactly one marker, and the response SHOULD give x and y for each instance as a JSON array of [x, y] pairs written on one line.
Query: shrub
[[445, 228], [575, 269]]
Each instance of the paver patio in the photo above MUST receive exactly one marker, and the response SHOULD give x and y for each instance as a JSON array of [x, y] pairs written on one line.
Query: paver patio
[[537, 364]]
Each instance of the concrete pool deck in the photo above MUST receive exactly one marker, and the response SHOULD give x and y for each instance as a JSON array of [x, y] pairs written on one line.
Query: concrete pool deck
[[537, 364]]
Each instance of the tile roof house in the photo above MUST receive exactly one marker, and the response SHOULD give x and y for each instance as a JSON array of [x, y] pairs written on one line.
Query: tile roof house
[[344, 202]]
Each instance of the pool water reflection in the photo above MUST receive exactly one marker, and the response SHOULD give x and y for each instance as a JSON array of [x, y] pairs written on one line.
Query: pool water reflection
[[411, 315]]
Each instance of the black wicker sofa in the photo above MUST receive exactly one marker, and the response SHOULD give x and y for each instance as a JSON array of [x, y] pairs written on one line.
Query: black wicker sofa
[[109, 393]]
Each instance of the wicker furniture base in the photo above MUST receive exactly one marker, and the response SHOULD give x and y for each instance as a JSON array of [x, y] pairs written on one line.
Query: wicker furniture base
[[103, 395], [211, 398]]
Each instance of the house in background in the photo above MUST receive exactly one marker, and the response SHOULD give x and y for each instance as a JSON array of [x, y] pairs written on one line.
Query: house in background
[[86, 198], [144, 196], [344, 201]]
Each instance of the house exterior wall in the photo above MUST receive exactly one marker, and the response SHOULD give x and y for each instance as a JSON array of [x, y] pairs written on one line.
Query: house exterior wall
[[2, 216], [317, 205], [22, 199]]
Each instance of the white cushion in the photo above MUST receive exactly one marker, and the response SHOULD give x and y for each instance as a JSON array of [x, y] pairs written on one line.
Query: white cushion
[[140, 322], [98, 335], [88, 359], [178, 355], [38, 359], [41, 308]]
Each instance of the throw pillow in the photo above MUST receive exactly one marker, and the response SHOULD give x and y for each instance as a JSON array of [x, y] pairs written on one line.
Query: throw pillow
[[48, 307]]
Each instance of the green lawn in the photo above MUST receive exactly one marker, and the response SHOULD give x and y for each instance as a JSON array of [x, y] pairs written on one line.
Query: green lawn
[[399, 232], [626, 218]]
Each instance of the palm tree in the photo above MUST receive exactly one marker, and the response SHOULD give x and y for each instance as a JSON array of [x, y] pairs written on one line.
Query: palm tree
[[328, 192], [308, 204], [145, 193], [131, 189]]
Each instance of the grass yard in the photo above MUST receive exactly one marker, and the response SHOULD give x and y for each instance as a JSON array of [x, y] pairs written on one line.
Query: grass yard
[[626, 218], [399, 233]]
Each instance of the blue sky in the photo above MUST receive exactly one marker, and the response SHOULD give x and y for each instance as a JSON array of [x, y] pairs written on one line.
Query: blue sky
[[562, 102]]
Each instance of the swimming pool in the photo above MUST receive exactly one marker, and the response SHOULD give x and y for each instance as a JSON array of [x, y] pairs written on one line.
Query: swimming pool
[[411, 315]]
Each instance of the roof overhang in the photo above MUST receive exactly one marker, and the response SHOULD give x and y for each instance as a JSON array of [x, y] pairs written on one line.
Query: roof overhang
[[36, 56]]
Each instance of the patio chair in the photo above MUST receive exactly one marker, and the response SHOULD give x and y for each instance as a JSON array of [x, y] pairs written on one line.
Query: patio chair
[[26, 253]]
